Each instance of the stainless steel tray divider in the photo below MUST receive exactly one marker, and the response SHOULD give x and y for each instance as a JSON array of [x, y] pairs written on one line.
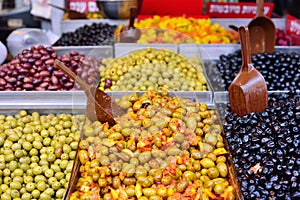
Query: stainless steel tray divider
[[72, 25], [105, 51], [207, 51], [42, 100], [122, 49], [225, 22]]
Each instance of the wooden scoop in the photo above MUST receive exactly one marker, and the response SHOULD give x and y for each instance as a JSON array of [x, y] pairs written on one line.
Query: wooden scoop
[[233, 27], [129, 34], [99, 104], [71, 13], [248, 91], [262, 31]]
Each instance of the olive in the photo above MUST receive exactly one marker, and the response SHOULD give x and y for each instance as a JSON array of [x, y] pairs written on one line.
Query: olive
[[277, 170], [207, 163], [153, 74], [26, 177], [102, 35], [135, 155], [281, 75]]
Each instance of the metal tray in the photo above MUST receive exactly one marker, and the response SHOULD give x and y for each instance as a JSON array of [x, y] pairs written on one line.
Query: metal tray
[[12, 103], [202, 97], [214, 51], [74, 102]]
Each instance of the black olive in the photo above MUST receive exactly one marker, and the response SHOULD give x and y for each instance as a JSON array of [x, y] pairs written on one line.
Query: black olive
[[88, 35], [273, 143], [145, 105]]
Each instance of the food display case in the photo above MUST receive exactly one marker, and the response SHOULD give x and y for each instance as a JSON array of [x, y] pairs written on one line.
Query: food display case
[[81, 186], [178, 143], [259, 140]]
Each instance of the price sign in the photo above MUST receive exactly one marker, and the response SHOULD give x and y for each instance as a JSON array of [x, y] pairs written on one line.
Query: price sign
[[292, 28], [172, 7], [83, 6], [236, 10], [293, 25]]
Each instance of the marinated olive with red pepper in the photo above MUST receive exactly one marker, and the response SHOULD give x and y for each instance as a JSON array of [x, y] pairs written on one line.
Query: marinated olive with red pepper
[[143, 161]]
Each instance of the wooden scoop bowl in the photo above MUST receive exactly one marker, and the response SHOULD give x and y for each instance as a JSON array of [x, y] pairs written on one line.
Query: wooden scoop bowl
[[129, 34], [248, 91], [262, 31], [99, 104]]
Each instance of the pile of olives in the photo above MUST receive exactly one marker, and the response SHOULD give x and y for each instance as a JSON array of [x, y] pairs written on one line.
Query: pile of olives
[[266, 148], [281, 70], [162, 148], [33, 69], [37, 154], [152, 69], [89, 35]]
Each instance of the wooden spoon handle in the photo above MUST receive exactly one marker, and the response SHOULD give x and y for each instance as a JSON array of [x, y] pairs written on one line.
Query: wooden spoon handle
[[72, 75], [60, 8], [133, 14], [233, 27], [260, 8], [245, 48]]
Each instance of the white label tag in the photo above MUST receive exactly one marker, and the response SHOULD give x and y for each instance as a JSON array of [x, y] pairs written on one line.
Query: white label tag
[[15, 22]]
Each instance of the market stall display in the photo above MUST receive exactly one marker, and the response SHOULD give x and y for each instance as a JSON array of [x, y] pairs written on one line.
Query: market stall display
[[164, 147], [200, 31], [88, 35], [280, 69], [265, 147], [178, 137], [33, 69], [150, 68], [37, 154]]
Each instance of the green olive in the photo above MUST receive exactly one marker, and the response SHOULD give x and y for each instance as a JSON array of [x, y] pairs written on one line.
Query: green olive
[[148, 192], [207, 163], [35, 193], [222, 168], [213, 172]]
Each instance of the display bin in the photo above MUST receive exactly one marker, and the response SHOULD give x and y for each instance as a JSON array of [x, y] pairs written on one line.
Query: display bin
[[203, 98], [211, 56], [44, 103], [72, 25], [256, 141]]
